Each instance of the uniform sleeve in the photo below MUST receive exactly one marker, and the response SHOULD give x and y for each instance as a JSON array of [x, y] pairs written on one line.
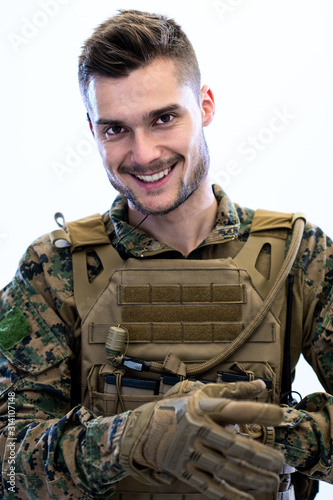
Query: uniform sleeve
[[49, 448], [306, 435]]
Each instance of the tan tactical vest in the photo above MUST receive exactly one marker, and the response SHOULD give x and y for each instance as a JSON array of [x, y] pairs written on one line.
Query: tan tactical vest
[[183, 316]]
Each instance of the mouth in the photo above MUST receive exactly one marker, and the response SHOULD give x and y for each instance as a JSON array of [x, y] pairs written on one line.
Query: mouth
[[154, 177]]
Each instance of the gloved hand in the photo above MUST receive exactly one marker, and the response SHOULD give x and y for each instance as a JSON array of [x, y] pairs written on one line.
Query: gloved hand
[[185, 437]]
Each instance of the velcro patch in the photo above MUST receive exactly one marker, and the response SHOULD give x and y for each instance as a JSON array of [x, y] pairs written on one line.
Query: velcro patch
[[13, 328]]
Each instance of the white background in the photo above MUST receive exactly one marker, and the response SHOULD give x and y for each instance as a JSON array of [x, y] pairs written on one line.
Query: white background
[[262, 58]]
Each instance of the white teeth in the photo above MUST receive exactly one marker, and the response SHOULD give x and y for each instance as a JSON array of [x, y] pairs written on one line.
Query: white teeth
[[154, 177]]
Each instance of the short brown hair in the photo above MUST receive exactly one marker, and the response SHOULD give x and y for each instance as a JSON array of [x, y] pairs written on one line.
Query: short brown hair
[[131, 40]]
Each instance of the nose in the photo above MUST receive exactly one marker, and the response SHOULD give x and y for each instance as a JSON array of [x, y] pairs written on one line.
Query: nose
[[144, 148]]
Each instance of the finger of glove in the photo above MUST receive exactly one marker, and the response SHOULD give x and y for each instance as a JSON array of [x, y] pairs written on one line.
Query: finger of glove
[[224, 411], [233, 390], [243, 448], [184, 387], [236, 471], [212, 486]]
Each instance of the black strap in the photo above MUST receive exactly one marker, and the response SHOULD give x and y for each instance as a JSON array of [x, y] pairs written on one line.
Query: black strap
[[286, 390]]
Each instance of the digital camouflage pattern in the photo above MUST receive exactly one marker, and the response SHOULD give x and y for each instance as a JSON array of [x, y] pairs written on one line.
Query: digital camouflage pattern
[[60, 449]]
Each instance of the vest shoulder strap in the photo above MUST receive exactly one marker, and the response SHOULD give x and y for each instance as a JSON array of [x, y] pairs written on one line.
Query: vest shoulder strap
[[268, 229], [83, 236], [89, 231], [266, 220]]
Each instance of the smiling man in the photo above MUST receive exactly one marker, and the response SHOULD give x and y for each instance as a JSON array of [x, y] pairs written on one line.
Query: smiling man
[[148, 352], [154, 150]]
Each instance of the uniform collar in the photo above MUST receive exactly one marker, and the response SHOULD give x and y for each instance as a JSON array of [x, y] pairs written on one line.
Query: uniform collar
[[138, 243]]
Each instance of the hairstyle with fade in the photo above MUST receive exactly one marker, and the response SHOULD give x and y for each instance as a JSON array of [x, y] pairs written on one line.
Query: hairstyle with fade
[[131, 40]]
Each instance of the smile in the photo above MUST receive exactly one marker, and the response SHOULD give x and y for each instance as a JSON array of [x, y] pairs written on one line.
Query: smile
[[154, 177]]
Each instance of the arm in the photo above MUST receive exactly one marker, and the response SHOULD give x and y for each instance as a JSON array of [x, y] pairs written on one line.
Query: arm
[[307, 433], [48, 444], [306, 436]]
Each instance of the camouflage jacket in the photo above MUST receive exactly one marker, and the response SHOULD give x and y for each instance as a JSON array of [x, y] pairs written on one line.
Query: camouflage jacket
[[53, 447]]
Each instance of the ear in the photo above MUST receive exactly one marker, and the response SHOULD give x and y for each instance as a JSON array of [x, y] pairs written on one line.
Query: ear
[[90, 125], [207, 105]]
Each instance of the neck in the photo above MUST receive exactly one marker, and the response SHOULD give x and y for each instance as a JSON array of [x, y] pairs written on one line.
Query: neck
[[185, 227]]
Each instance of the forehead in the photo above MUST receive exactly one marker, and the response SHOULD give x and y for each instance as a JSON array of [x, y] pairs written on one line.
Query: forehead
[[143, 90]]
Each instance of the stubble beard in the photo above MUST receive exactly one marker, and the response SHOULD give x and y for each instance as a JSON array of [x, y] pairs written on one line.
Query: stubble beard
[[185, 189]]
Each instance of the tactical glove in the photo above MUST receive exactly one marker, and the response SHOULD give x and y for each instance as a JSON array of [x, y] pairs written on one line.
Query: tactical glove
[[185, 437]]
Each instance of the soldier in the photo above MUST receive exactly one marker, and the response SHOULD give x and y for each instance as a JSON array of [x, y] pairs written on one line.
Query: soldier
[[145, 352]]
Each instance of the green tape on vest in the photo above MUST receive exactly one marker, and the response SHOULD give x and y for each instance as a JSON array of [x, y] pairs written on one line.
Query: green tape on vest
[[13, 328]]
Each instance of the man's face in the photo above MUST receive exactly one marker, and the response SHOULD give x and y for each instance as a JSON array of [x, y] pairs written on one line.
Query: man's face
[[148, 129]]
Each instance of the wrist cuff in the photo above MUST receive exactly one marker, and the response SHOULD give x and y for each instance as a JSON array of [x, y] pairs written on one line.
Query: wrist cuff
[[269, 436]]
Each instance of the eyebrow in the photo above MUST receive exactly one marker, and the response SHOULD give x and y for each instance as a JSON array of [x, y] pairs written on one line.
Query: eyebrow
[[146, 117], [161, 111]]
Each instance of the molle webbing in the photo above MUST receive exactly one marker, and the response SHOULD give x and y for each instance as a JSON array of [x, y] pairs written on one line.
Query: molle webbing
[[199, 312], [180, 293], [176, 333]]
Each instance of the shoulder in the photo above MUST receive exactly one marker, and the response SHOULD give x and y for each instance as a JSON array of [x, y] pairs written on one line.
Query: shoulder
[[44, 270], [315, 255], [314, 243], [42, 257], [44, 273], [315, 258], [55, 263]]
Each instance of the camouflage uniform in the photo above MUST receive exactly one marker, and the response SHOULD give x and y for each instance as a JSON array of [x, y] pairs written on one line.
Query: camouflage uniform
[[50, 445]]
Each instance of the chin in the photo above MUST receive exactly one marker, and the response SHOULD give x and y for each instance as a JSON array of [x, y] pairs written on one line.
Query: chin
[[154, 208]]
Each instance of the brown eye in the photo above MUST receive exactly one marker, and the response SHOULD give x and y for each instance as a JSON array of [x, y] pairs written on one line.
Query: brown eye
[[164, 119], [114, 130]]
